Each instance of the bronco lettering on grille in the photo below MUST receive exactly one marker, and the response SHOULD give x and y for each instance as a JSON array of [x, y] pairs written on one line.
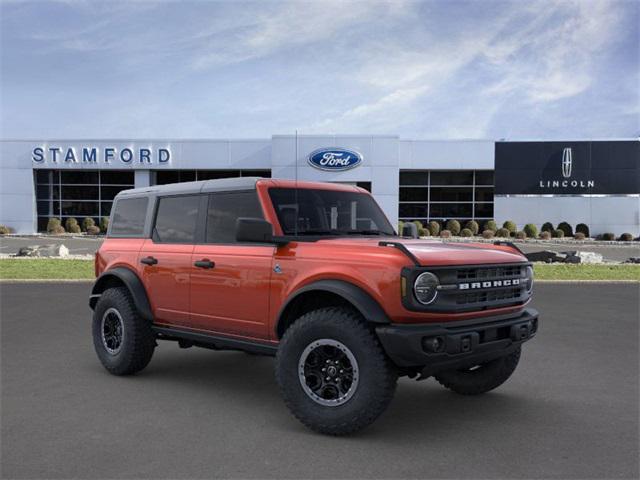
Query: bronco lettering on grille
[[489, 284]]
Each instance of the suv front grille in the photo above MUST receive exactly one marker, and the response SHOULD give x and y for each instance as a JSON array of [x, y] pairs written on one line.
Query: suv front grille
[[489, 273], [470, 288]]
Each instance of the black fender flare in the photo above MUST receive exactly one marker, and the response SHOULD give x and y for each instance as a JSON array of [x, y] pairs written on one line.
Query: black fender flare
[[133, 284], [368, 307]]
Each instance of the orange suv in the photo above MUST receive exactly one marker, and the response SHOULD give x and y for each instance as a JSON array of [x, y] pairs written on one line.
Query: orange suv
[[315, 275]]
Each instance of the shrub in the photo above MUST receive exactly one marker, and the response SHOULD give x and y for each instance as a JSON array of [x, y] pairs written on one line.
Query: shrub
[[473, 226], [466, 232], [418, 224], [531, 230], [57, 230], [445, 234], [583, 228], [547, 227], [104, 224], [503, 233], [511, 226], [545, 235], [491, 225], [453, 226], [434, 228], [488, 234], [52, 224], [400, 225], [71, 225], [566, 228], [5, 230], [88, 222], [557, 233], [579, 236], [608, 236], [626, 237], [521, 235], [93, 230]]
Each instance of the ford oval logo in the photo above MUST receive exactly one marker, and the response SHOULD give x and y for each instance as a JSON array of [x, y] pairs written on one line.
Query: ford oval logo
[[334, 159]]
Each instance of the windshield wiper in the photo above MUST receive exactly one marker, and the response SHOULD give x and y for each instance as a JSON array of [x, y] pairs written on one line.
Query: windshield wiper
[[320, 232]]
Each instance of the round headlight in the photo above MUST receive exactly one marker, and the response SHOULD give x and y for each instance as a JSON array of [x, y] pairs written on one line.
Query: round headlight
[[425, 288], [529, 274]]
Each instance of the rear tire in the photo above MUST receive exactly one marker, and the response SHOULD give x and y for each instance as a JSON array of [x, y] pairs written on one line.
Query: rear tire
[[482, 378], [122, 339], [357, 383]]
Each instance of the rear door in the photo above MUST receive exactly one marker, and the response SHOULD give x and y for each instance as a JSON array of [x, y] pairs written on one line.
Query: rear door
[[230, 281], [165, 258]]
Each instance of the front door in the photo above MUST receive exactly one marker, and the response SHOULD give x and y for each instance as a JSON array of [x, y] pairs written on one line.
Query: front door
[[165, 259], [230, 281]]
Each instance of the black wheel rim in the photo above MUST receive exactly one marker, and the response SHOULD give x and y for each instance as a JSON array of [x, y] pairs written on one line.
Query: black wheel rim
[[112, 330], [328, 372]]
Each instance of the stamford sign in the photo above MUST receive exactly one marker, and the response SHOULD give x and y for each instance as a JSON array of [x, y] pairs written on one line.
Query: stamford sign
[[334, 159], [94, 155]]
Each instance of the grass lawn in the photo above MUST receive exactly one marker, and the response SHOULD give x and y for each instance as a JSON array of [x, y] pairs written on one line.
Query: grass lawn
[[46, 269], [83, 269], [564, 271]]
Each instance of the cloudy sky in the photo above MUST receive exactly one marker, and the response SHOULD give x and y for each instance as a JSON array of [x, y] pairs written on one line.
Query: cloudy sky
[[423, 70]]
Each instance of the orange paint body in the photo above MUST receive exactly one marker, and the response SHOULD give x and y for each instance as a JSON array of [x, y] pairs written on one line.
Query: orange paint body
[[243, 295]]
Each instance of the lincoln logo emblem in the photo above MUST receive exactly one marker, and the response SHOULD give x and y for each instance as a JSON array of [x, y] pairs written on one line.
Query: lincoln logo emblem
[[566, 162]]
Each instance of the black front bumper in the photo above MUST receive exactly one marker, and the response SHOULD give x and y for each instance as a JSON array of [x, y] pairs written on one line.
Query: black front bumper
[[447, 346]]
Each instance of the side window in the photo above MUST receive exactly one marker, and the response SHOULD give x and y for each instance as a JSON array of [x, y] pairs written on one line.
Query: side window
[[225, 209], [176, 219], [128, 217]]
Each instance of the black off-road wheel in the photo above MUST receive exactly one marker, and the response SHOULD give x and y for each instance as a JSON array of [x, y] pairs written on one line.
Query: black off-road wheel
[[332, 372], [122, 339], [480, 378]]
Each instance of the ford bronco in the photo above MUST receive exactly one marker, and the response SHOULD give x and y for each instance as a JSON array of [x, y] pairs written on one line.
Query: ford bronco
[[315, 275]]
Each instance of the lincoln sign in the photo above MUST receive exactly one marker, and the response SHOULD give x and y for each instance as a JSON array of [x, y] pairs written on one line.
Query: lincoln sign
[[567, 168]]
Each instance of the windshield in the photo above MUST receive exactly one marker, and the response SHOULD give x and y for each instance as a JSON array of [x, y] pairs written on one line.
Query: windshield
[[328, 212]]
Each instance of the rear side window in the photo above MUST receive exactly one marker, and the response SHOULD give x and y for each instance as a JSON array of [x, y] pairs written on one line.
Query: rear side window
[[128, 218], [225, 209], [176, 219]]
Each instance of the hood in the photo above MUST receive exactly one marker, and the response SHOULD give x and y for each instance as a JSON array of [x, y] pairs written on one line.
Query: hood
[[436, 252]]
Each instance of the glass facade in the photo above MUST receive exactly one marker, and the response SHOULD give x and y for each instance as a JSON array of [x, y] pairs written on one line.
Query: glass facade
[[446, 194], [162, 177], [79, 194]]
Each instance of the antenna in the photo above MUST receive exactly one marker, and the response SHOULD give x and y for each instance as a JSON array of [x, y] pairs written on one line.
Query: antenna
[[295, 228]]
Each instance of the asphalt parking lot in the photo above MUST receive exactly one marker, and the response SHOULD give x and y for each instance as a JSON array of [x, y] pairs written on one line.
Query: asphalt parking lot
[[569, 411]]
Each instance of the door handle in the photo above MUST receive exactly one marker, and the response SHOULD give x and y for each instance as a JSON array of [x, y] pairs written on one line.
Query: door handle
[[204, 263], [149, 260]]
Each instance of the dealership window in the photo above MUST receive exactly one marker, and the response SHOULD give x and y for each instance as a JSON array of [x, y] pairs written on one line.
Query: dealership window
[[78, 193], [446, 194], [163, 177]]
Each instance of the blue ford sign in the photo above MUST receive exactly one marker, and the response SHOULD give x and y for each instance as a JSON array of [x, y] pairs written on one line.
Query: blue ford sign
[[334, 159]]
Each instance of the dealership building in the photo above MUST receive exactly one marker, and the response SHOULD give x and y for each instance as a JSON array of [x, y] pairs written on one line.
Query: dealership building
[[596, 182]]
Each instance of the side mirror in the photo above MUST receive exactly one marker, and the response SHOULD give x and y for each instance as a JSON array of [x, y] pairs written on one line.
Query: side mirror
[[254, 230], [409, 230]]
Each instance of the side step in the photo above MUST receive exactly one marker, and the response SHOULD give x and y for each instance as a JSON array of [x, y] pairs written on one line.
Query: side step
[[187, 338]]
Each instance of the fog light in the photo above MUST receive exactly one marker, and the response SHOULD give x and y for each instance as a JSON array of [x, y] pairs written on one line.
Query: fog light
[[433, 344]]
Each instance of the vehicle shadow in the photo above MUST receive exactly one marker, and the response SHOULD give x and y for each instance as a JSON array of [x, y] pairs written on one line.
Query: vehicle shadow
[[418, 408]]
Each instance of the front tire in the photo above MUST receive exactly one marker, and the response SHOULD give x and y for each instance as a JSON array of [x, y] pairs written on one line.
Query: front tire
[[481, 378], [332, 372], [122, 339]]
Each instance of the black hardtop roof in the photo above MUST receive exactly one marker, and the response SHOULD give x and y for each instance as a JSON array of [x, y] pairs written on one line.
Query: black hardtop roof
[[203, 186]]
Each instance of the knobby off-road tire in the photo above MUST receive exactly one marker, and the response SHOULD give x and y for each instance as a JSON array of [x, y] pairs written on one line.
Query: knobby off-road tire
[[340, 337], [115, 312], [482, 378]]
